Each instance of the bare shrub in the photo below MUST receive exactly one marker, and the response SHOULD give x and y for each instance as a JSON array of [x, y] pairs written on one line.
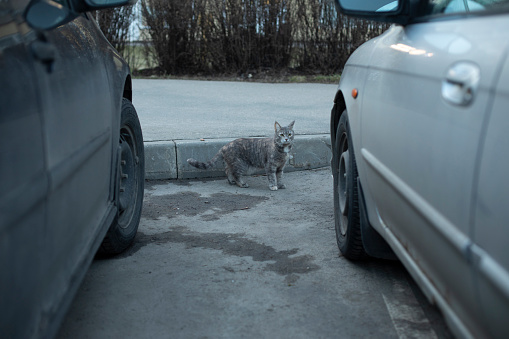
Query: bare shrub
[[240, 36], [115, 24]]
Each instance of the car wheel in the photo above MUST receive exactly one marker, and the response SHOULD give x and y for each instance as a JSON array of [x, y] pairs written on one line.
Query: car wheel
[[346, 195], [130, 183]]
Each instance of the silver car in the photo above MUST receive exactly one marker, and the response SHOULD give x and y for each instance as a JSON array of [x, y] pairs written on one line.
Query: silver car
[[420, 129]]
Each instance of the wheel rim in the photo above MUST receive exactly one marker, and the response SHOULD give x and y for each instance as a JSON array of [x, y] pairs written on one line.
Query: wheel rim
[[343, 180], [127, 177]]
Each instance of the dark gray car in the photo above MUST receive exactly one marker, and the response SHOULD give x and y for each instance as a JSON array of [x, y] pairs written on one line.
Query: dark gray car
[[71, 158]]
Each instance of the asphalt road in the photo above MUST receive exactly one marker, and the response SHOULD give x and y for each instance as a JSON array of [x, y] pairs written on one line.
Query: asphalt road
[[213, 260], [190, 110]]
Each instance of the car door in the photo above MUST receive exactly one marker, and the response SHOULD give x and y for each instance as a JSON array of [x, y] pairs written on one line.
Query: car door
[[23, 179], [78, 120], [491, 230], [426, 99]]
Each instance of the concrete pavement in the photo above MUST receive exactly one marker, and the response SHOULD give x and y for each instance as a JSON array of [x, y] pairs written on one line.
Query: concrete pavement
[[212, 260], [186, 118]]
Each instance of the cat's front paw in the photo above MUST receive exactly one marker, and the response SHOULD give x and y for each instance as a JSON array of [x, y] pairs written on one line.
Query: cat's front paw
[[273, 188], [281, 186]]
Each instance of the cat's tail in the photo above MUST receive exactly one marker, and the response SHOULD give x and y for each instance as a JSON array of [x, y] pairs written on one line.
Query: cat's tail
[[205, 165]]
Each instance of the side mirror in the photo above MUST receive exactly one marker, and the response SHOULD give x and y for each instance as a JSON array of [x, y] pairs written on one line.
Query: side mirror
[[97, 4], [369, 6], [396, 11], [47, 14], [93, 5]]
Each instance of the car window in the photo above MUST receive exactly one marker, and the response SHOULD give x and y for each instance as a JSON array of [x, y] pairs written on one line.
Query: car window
[[465, 6]]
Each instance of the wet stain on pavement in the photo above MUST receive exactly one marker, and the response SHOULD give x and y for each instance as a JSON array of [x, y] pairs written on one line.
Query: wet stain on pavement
[[282, 262], [192, 204]]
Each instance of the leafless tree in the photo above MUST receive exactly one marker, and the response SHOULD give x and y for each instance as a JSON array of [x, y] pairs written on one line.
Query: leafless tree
[[115, 24], [227, 36]]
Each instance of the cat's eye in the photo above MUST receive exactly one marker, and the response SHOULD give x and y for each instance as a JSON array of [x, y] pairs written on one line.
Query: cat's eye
[[282, 135]]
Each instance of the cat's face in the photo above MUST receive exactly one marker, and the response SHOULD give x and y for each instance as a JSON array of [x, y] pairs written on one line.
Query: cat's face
[[284, 135]]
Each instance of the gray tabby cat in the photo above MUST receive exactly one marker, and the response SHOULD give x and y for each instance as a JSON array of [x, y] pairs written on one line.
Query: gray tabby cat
[[241, 156]]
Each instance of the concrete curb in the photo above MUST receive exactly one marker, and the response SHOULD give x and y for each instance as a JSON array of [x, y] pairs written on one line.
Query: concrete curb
[[168, 159]]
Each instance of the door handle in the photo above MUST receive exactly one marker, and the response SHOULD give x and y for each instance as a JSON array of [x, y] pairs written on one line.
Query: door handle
[[461, 83]]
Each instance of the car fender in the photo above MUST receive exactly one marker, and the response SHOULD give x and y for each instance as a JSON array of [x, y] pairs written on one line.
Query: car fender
[[349, 97]]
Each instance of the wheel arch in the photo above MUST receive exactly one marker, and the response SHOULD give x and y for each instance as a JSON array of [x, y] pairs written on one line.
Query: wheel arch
[[114, 242], [374, 244], [337, 110], [127, 92], [128, 89]]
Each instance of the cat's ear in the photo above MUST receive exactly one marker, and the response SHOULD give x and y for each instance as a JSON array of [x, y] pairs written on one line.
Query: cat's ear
[[277, 126], [291, 124]]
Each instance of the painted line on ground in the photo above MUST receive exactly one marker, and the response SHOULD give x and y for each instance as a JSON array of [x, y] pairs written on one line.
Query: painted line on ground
[[406, 313]]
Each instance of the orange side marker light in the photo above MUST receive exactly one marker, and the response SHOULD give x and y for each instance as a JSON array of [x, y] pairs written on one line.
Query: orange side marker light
[[355, 93]]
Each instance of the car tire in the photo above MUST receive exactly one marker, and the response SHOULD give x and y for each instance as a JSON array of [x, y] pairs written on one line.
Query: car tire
[[346, 195], [130, 181]]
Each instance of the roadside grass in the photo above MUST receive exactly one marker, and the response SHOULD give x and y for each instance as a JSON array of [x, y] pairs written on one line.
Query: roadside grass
[[140, 57], [325, 79], [266, 78], [143, 64]]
